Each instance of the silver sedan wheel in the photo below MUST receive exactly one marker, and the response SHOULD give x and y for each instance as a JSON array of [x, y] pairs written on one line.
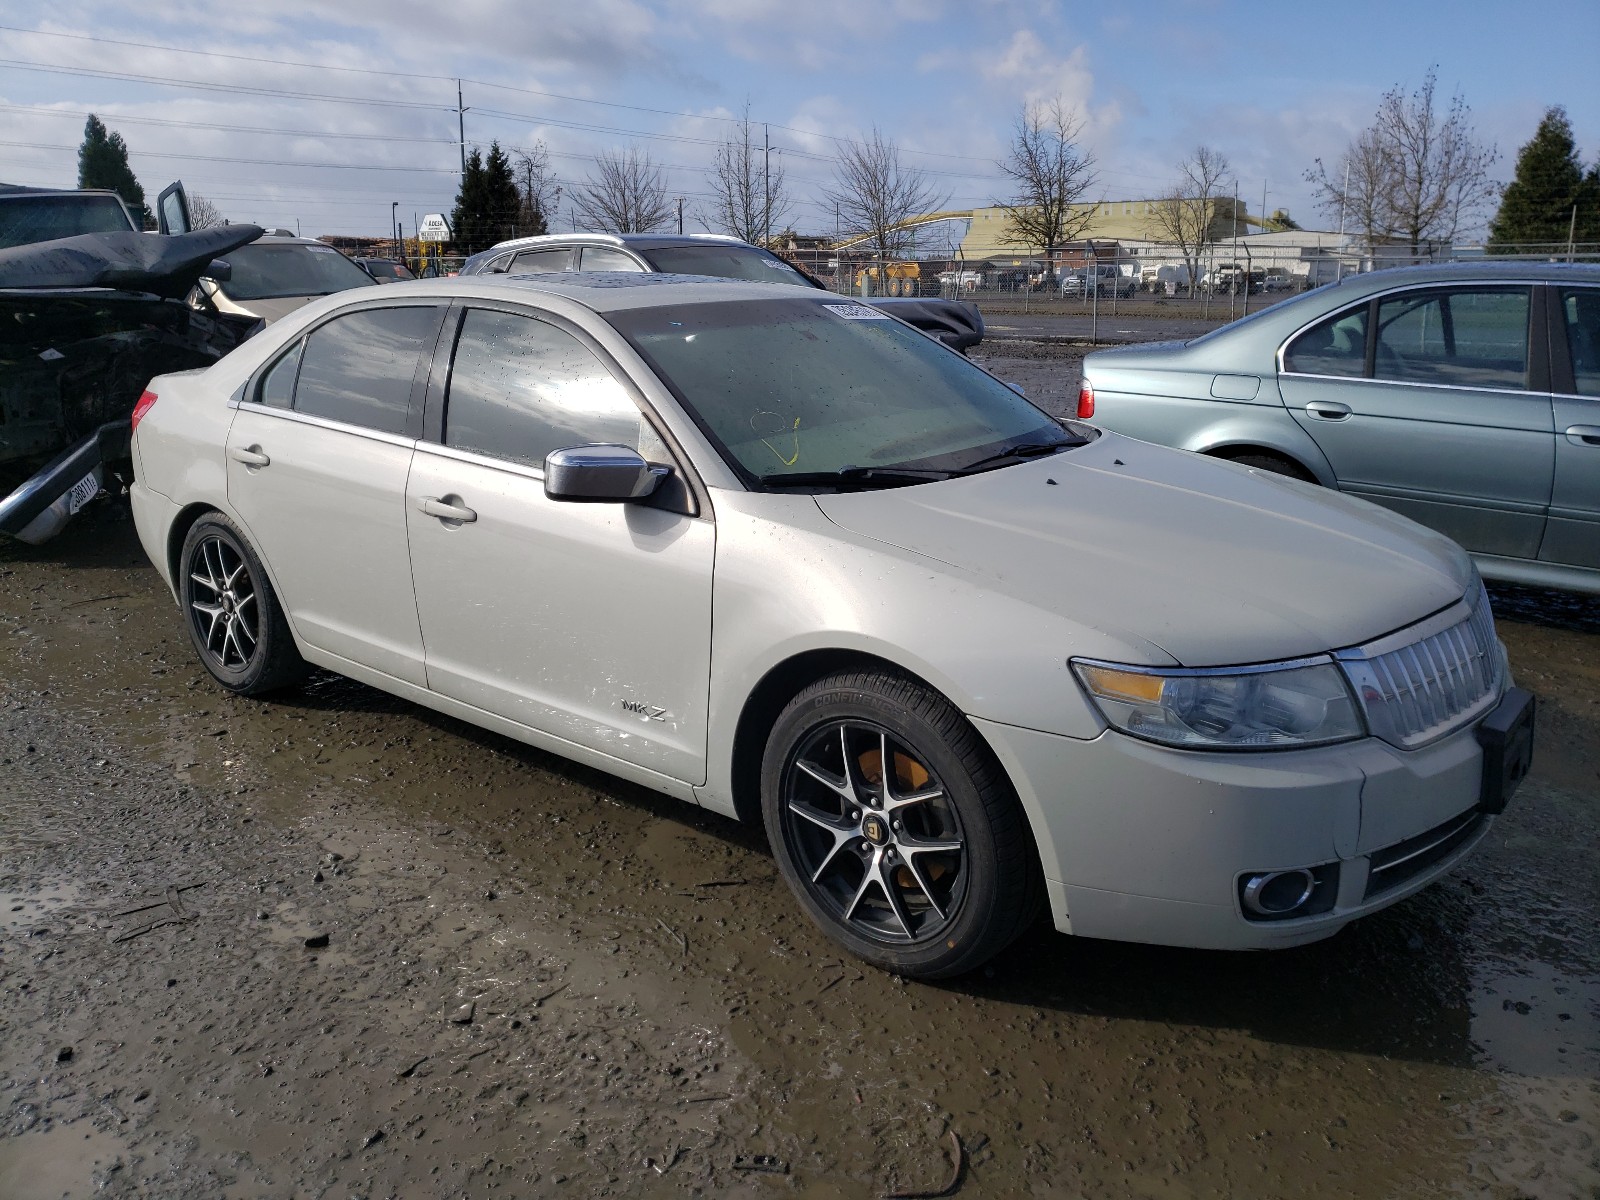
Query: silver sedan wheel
[[223, 605], [882, 850]]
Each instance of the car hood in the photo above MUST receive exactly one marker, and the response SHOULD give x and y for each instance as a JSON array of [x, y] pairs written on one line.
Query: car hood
[[1213, 563], [269, 310]]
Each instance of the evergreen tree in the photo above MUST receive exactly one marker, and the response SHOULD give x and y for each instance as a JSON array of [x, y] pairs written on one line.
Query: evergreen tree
[[467, 222], [1537, 206], [502, 200], [103, 163]]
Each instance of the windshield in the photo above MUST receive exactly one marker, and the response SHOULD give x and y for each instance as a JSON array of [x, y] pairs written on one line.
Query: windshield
[[28, 219], [725, 262], [265, 272], [801, 387], [381, 268]]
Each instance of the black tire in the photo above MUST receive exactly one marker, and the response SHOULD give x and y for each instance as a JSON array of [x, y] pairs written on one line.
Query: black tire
[[1274, 464], [232, 614], [876, 872]]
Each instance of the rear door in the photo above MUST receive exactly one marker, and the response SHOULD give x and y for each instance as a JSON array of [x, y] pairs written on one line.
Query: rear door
[[1435, 402], [590, 622], [317, 460], [1573, 535]]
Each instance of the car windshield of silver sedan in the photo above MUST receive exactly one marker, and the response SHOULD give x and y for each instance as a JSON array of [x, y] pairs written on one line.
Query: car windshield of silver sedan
[[809, 394], [292, 269]]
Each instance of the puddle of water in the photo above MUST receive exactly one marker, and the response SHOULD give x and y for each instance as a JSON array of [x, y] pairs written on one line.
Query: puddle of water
[[23, 910], [63, 1161]]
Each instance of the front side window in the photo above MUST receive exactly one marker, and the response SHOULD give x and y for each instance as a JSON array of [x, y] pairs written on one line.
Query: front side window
[[726, 262], [359, 368], [604, 258], [796, 386], [1580, 310], [1335, 346], [520, 388], [1463, 337]]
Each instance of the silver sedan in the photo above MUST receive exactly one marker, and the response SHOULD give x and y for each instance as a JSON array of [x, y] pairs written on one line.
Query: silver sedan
[[779, 555], [1465, 396]]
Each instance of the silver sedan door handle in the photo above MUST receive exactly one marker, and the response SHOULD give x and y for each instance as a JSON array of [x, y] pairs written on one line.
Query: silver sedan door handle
[[250, 456], [435, 507], [1584, 435], [1328, 410]]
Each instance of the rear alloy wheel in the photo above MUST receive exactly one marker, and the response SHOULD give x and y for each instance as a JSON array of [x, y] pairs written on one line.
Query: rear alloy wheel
[[896, 828], [231, 612]]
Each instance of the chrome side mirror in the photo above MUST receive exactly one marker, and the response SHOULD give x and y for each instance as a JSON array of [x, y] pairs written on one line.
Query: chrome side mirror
[[600, 473]]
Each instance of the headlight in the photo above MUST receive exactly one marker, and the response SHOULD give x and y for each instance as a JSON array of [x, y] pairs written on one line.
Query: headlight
[[1280, 705]]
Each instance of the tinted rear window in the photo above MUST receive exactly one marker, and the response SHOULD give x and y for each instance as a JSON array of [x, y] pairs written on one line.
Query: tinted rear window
[[359, 368], [264, 272], [725, 262], [28, 219]]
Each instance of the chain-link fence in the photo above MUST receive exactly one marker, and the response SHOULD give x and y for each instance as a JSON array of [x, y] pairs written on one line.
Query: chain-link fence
[[1222, 278]]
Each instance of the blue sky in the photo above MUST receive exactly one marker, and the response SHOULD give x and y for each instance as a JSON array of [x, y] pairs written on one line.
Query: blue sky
[[1273, 86]]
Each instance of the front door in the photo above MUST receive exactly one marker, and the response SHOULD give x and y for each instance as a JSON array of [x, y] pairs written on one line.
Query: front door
[[590, 622], [1573, 537], [317, 459], [1430, 412]]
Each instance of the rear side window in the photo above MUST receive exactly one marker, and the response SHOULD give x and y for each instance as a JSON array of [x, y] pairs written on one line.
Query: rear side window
[[1580, 310], [1460, 337], [532, 261], [520, 388], [277, 385], [359, 368], [1335, 346]]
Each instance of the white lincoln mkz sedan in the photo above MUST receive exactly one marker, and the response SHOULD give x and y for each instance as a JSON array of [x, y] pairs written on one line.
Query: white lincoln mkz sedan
[[785, 557]]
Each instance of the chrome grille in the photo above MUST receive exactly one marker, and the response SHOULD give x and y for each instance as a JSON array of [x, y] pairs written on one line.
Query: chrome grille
[[1421, 683]]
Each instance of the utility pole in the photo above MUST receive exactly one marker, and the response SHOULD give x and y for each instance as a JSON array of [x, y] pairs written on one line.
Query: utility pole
[[461, 126], [394, 222], [766, 189], [680, 214], [1338, 272], [1572, 228]]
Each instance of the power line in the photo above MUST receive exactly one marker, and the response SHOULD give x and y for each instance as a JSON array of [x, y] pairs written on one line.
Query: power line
[[125, 119], [254, 162]]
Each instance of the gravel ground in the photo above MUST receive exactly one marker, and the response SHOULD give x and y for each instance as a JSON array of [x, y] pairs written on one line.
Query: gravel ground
[[537, 980]]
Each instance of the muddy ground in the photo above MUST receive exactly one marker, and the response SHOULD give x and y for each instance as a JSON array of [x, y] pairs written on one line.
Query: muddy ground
[[538, 981]]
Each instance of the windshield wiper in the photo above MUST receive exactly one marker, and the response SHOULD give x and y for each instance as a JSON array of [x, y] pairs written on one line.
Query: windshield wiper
[[1025, 450], [856, 477]]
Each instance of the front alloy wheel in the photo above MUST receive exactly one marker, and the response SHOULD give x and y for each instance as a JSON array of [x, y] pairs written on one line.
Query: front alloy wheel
[[896, 827], [232, 614]]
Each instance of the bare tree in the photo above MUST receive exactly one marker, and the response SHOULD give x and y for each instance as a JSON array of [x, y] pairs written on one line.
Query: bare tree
[[1051, 174], [203, 214], [627, 194], [1187, 215], [748, 197], [1416, 173], [539, 189], [875, 195]]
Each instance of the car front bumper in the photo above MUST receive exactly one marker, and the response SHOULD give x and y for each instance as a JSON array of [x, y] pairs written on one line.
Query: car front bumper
[[1144, 843]]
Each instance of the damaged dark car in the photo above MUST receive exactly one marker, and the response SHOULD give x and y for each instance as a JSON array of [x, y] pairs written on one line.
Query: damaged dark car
[[90, 310]]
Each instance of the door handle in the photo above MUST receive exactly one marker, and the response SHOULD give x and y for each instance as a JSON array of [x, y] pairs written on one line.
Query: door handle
[[445, 511], [1328, 410], [1584, 435], [250, 456]]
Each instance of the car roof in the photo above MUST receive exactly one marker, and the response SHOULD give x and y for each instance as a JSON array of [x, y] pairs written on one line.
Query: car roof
[[609, 291], [18, 189], [638, 241], [1488, 269]]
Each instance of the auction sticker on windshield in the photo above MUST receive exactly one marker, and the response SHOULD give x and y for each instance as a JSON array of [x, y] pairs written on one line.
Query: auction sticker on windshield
[[856, 312]]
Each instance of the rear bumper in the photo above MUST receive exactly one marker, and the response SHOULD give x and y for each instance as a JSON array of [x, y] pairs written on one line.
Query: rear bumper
[[153, 515], [1142, 843], [22, 508]]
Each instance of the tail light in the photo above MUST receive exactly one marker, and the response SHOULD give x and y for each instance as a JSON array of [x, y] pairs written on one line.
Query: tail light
[[148, 400], [1085, 400]]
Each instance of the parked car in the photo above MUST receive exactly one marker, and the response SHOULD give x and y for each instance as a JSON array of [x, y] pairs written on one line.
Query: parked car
[[956, 323], [1231, 279], [964, 656], [274, 275], [385, 270], [1466, 396], [1104, 280], [90, 308]]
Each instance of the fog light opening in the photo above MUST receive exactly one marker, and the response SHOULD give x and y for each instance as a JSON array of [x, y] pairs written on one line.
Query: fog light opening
[[1278, 893]]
